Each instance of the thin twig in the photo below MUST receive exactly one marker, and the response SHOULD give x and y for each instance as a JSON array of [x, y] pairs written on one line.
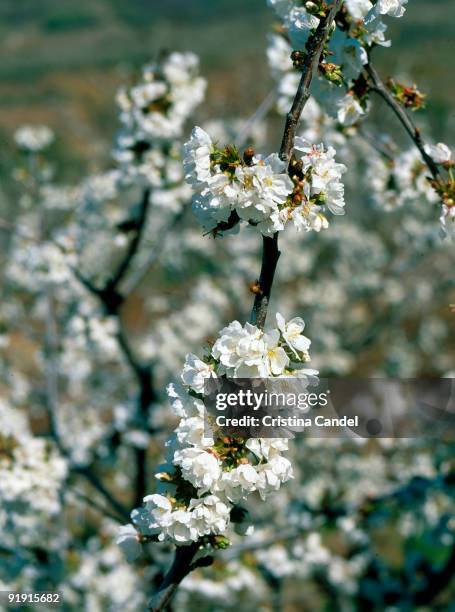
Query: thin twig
[[372, 141], [95, 505], [51, 371], [147, 395], [256, 117], [99, 486], [133, 246], [135, 277], [379, 87]]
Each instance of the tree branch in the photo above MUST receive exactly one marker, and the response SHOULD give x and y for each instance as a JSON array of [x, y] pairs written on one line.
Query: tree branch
[[147, 395], [379, 87], [180, 568], [270, 256], [133, 246], [136, 276], [372, 141], [256, 117], [314, 49], [99, 486], [93, 504], [224, 226]]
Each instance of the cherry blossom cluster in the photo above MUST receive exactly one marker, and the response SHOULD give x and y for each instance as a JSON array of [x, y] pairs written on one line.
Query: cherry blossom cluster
[[394, 183], [404, 179], [305, 508], [32, 473], [34, 138], [207, 474], [341, 91], [339, 88], [259, 190], [153, 114], [147, 153]]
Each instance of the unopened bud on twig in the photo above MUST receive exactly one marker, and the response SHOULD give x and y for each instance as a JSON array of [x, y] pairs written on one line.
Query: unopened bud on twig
[[248, 155]]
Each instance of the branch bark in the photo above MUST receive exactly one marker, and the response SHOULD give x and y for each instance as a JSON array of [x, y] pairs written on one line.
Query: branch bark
[[270, 256], [256, 117], [134, 244], [379, 87], [135, 277], [180, 568]]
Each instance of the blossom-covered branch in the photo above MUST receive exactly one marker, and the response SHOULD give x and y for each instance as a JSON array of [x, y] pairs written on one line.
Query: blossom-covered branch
[[378, 86], [257, 185], [270, 251], [312, 57]]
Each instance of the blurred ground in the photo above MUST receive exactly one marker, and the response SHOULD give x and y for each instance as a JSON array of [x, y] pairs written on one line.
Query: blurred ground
[[62, 61]]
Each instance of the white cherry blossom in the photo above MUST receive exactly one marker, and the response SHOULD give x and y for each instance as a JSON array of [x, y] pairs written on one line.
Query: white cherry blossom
[[34, 138], [440, 153], [195, 372]]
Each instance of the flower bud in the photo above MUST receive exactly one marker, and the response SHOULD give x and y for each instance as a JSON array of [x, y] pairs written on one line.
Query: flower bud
[[248, 155], [220, 542], [332, 73]]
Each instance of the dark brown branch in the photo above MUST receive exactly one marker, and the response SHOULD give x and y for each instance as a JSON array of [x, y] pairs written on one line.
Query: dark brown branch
[[180, 568], [94, 504], [147, 395], [135, 278], [270, 256], [372, 141], [379, 87], [224, 226], [110, 295], [314, 49], [256, 117], [133, 246]]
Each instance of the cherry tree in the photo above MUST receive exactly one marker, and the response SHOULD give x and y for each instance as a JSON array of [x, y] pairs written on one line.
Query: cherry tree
[[85, 421]]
